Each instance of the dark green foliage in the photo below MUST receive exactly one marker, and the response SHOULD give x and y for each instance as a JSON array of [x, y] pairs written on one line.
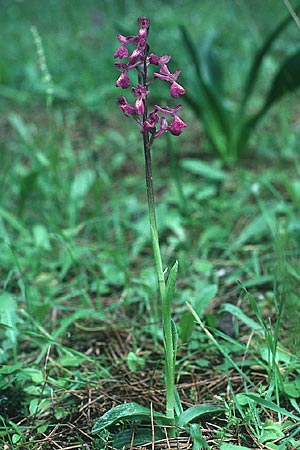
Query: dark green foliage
[[229, 128]]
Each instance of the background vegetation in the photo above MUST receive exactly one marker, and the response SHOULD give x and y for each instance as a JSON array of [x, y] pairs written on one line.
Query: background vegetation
[[78, 307]]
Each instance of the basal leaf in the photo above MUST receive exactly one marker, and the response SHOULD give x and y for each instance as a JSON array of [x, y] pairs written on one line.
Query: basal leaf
[[126, 411], [196, 411]]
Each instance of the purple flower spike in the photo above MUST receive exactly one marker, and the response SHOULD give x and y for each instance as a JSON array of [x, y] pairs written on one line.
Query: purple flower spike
[[160, 119]]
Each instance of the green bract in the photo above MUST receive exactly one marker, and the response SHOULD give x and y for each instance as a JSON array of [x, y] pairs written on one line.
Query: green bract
[[229, 128]]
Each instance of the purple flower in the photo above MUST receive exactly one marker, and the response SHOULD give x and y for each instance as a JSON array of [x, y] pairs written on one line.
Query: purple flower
[[176, 126], [163, 127], [122, 52], [140, 92], [176, 90], [126, 40], [150, 123], [144, 24], [123, 81], [125, 107], [167, 110], [159, 61], [136, 56], [165, 74]]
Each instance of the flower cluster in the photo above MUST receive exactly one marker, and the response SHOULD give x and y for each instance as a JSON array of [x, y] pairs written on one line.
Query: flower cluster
[[160, 119]]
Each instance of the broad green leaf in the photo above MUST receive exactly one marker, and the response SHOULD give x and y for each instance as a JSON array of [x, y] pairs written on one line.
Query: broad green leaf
[[238, 313], [126, 411], [41, 236], [270, 405], [292, 388], [203, 298], [286, 80], [9, 369], [81, 185], [271, 431], [209, 63], [196, 411]]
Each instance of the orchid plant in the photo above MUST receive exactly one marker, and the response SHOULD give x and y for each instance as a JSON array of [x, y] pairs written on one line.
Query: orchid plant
[[153, 123]]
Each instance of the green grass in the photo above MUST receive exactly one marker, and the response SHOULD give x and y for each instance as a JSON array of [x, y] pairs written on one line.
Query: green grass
[[78, 286]]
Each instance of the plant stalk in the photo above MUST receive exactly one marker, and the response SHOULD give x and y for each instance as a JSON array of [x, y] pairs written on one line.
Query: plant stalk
[[166, 307]]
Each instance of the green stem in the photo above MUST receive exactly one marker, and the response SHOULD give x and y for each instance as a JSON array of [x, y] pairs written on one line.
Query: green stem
[[166, 304], [152, 216]]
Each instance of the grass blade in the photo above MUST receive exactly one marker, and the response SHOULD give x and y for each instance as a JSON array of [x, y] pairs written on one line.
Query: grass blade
[[270, 405]]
